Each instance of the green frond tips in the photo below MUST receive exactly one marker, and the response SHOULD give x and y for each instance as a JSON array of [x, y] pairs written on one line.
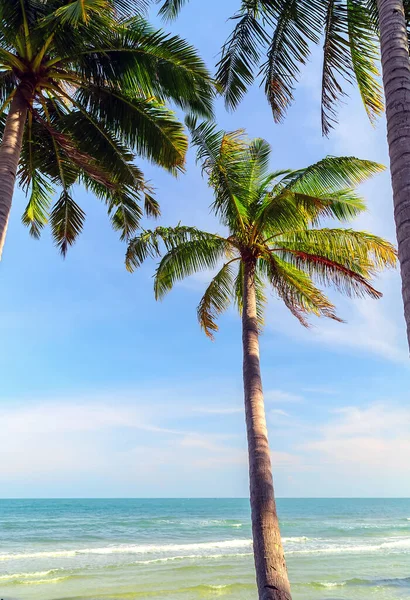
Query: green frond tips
[[240, 57], [170, 8], [331, 175], [365, 57], [350, 53], [35, 216], [186, 259], [216, 300], [298, 292], [67, 220], [148, 243]]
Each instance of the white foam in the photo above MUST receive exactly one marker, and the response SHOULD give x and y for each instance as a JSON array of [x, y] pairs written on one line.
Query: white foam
[[137, 549], [26, 575], [45, 554], [190, 557], [293, 545], [400, 544], [42, 581], [155, 549]]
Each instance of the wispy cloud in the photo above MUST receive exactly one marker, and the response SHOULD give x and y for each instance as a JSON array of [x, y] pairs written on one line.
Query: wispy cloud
[[369, 444], [219, 410], [278, 412], [281, 396], [328, 391]]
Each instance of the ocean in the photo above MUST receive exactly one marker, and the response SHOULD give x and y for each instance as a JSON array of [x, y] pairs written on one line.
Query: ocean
[[201, 548]]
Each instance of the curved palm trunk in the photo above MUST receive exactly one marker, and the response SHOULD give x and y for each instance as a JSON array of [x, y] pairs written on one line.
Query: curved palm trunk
[[271, 572], [10, 149], [396, 81]]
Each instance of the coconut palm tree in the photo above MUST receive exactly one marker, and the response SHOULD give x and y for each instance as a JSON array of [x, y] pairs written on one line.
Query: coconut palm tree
[[273, 40], [272, 239], [83, 88]]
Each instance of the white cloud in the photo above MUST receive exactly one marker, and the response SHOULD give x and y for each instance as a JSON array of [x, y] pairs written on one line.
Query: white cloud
[[373, 326], [63, 417], [278, 412], [219, 410], [48, 441], [281, 396], [372, 441], [328, 391]]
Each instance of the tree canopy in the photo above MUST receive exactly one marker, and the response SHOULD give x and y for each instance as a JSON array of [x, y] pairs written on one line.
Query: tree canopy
[[273, 221], [98, 80]]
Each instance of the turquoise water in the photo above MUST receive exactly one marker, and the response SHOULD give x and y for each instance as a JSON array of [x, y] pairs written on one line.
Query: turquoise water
[[192, 549]]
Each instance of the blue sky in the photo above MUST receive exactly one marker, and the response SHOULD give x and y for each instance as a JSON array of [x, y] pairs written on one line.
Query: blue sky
[[107, 393]]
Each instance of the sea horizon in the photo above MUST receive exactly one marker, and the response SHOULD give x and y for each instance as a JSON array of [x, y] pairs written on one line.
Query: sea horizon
[[201, 498]]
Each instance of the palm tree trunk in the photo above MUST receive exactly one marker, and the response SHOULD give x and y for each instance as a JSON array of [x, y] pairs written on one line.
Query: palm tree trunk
[[396, 81], [10, 149], [271, 572]]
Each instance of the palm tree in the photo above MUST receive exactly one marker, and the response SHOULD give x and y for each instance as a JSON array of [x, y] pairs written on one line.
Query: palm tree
[[83, 87], [273, 39], [272, 239]]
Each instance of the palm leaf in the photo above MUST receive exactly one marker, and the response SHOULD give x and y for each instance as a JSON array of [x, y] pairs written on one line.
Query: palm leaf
[[148, 243], [349, 278], [337, 61], [342, 245], [297, 291], [188, 258], [216, 299], [35, 216], [365, 56], [240, 57], [297, 22], [170, 8], [225, 159], [332, 174], [145, 125], [67, 220]]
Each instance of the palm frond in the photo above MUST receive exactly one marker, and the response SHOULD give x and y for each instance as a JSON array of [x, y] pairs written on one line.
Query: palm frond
[[343, 205], [331, 175], [79, 12], [296, 23], [170, 8], [151, 206], [148, 243], [337, 61], [225, 159], [67, 220], [350, 277], [297, 290], [35, 216], [365, 57], [125, 213], [145, 125], [342, 245], [216, 299], [188, 258]]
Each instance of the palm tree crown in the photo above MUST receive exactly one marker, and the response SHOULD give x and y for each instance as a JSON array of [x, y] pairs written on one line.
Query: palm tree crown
[[273, 226], [95, 81]]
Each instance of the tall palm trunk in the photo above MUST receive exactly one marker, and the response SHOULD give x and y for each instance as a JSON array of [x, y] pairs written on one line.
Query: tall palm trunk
[[396, 81], [10, 149], [271, 572]]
